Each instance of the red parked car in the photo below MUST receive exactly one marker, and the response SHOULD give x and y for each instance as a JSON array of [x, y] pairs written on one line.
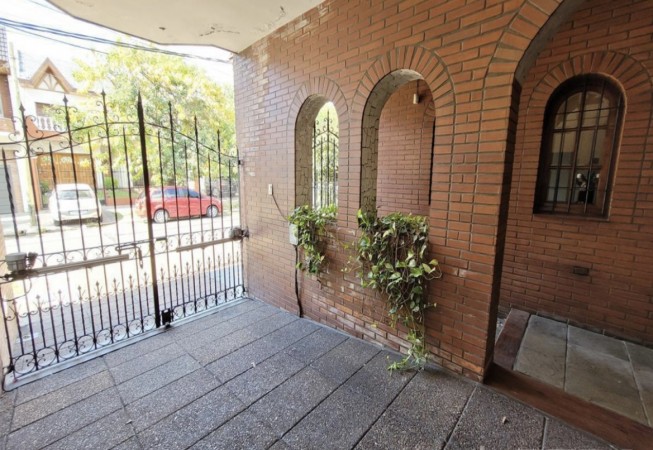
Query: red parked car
[[178, 202]]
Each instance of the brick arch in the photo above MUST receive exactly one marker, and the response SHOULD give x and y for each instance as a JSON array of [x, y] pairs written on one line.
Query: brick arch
[[382, 78], [631, 76], [306, 104]]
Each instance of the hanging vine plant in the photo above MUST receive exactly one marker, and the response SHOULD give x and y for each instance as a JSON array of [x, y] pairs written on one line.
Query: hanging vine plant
[[312, 234], [392, 256]]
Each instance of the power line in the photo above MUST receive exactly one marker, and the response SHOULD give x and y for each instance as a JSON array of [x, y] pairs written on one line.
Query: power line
[[31, 33], [30, 27]]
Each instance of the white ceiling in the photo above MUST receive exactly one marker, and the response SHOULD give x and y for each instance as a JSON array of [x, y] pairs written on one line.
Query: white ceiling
[[232, 25]]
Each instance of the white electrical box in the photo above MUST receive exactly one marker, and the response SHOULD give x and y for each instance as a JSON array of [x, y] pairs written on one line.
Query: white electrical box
[[292, 233]]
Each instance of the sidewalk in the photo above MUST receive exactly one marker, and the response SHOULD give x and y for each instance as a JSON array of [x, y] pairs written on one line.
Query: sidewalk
[[252, 376]]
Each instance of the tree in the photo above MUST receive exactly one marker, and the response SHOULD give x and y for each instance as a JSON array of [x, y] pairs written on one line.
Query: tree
[[163, 81]]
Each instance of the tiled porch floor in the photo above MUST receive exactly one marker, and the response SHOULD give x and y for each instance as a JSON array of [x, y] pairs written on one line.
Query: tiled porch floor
[[609, 372], [252, 376]]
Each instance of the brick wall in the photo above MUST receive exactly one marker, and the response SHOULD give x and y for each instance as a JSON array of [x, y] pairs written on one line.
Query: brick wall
[[614, 39], [404, 151], [357, 54]]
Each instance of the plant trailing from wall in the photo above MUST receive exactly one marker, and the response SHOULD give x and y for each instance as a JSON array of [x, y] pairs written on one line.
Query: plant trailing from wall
[[392, 253], [312, 233]]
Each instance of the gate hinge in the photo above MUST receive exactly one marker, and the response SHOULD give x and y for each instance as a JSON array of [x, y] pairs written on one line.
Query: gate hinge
[[238, 233]]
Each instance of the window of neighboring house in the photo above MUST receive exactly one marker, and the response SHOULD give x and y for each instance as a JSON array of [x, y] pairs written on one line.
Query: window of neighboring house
[[579, 144], [43, 109]]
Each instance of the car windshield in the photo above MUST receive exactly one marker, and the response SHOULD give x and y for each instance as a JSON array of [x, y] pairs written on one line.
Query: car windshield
[[74, 194]]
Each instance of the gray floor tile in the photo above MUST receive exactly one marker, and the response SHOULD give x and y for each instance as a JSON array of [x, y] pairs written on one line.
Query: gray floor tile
[[393, 431], [225, 313], [482, 423], [337, 423], [597, 343], [315, 345], [148, 410], [137, 349], [7, 400], [254, 353], [47, 404], [345, 360], [218, 348], [106, 433], [243, 431], [147, 361], [280, 445], [130, 444], [543, 351], [642, 362], [378, 383], [560, 436], [156, 378], [256, 382], [208, 335], [435, 399], [56, 426], [58, 380], [604, 380], [192, 422], [286, 405]]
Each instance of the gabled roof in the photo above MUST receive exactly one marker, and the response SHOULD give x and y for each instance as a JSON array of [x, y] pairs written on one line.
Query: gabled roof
[[48, 67]]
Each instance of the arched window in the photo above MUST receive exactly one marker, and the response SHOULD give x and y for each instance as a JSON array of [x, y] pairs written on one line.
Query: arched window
[[325, 157], [579, 144]]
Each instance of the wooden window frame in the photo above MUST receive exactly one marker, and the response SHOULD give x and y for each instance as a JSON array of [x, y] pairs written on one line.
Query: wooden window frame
[[594, 202]]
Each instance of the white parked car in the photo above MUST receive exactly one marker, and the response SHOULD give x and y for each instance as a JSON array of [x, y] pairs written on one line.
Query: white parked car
[[74, 202]]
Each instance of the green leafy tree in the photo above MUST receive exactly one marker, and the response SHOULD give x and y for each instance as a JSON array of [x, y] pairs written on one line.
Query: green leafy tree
[[162, 80]]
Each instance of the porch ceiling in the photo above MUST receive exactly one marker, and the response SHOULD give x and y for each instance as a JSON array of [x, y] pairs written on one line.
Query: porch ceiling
[[232, 25]]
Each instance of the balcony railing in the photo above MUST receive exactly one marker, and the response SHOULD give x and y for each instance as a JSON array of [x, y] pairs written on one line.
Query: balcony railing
[[45, 123]]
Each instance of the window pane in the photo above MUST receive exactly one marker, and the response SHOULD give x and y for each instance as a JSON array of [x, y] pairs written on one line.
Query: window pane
[[568, 147], [599, 147], [572, 120], [605, 114], [590, 117], [585, 148], [592, 100], [559, 121], [555, 149], [573, 102]]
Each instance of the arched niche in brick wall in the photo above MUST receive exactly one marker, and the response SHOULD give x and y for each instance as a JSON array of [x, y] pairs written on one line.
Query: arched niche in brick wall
[[309, 100], [304, 148], [397, 142]]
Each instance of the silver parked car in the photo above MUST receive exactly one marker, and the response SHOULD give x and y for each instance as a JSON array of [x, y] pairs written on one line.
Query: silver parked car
[[74, 202]]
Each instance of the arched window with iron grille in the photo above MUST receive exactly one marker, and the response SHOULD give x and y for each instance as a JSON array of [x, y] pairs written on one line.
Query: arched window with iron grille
[[579, 146], [325, 157]]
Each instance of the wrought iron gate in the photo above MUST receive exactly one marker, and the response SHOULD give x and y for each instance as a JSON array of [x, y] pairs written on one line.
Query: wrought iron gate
[[117, 227]]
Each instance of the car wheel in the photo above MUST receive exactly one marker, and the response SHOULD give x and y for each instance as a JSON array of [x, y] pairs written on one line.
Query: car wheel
[[161, 215], [212, 211]]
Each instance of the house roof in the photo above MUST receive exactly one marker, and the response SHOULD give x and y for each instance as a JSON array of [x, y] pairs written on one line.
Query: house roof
[[48, 67], [232, 25]]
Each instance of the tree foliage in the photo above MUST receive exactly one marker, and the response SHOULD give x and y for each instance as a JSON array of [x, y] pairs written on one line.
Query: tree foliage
[[163, 81]]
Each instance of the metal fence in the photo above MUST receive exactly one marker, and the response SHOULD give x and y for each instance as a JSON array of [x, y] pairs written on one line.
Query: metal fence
[[83, 270]]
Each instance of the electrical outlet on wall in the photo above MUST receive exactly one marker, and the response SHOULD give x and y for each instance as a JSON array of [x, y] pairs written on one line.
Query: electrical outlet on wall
[[270, 189]]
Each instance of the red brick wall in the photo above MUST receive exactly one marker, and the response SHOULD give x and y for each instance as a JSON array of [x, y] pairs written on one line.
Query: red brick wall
[[614, 39], [467, 52], [405, 142]]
